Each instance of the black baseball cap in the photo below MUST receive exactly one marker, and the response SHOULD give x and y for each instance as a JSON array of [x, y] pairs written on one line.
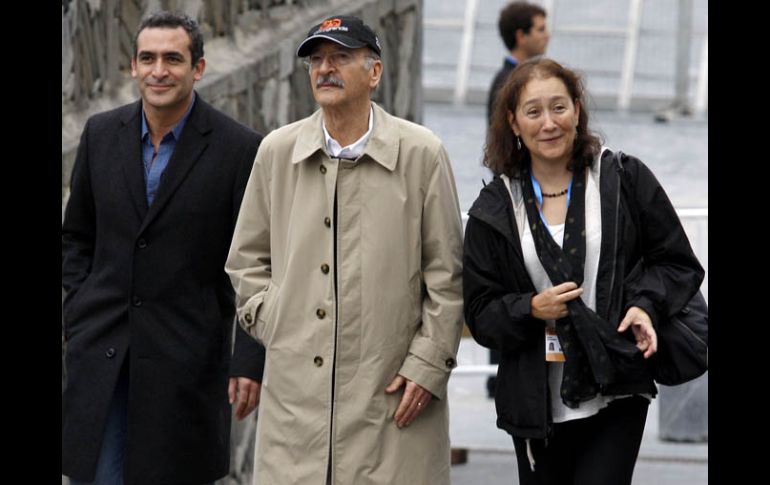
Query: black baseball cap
[[345, 30]]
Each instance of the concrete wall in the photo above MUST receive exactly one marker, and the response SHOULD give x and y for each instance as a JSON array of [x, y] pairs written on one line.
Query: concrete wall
[[252, 72]]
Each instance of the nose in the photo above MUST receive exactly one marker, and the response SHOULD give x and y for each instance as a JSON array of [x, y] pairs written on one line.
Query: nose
[[159, 69], [548, 123], [326, 65]]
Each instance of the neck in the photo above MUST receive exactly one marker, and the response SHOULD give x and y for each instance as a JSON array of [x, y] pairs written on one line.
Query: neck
[[551, 175], [161, 121], [519, 55], [347, 125]]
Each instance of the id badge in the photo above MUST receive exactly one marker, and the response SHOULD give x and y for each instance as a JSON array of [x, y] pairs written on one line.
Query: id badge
[[553, 352]]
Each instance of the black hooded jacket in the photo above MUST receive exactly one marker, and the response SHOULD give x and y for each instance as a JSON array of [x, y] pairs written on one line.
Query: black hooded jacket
[[652, 267]]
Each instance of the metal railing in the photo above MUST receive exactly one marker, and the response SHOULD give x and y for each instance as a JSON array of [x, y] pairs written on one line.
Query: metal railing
[[631, 52]]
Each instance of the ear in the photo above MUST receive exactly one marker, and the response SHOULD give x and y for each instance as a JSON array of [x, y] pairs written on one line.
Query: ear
[[133, 67], [198, 69], [519, 34], [376, 74], [512, 122]]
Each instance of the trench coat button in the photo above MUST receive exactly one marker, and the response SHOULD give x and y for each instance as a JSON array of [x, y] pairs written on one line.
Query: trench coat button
[[327, 222], [136, 301], [450, 363], [325, 268], [110, 353], [247, 317], [142, 243], [318, 361], [320, 313], [322, 168]]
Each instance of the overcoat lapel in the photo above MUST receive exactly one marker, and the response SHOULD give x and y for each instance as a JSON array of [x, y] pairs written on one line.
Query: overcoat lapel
[[129, 154], [192, 144]]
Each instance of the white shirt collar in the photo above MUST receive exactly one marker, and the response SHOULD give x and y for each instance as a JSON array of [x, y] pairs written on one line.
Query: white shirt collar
[[352, 151]]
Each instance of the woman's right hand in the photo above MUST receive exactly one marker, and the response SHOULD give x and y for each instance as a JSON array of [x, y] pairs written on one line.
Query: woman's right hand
[[551, 304]]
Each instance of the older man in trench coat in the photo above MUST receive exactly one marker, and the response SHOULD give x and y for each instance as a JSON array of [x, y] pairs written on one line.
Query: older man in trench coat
[[346, 261]]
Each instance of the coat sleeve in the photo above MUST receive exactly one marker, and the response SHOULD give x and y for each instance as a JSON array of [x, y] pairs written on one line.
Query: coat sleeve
[[249, 261], [496, 317], [79, 226], [670, 272], [248, 358], [433, 350]]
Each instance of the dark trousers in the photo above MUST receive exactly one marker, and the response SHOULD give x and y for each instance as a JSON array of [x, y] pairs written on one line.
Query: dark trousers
[[599, 450], [109, 470]]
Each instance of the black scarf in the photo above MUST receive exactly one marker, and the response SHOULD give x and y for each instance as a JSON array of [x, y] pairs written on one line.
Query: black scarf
[[596, 354]]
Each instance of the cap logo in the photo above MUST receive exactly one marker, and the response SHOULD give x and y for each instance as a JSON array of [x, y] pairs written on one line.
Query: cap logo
[[330, 24]]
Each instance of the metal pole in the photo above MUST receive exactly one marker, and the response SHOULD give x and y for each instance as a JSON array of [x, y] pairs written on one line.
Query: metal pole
[[629, 57], [464, 61], [683, 39], [680, 104], [701, 89]]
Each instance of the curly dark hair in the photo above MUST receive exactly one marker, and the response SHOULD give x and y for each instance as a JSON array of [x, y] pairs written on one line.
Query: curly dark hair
[[501, 154], [516, 16], [172, 20]]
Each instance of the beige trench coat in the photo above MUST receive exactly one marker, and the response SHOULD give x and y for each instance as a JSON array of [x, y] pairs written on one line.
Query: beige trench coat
[[397, 308]]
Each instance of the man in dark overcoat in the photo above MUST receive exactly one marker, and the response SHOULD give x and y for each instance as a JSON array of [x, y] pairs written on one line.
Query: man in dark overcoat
[[148, 314]]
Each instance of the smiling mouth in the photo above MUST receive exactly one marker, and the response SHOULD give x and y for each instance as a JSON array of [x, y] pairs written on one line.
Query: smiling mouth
[[547, 140]]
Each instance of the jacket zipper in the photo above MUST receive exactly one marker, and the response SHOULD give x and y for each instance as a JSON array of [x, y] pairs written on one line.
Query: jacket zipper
[[689, 330], [617, 238]]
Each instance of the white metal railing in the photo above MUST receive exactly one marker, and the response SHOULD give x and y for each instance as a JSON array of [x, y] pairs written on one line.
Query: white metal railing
[[695, 223], [469, 29]]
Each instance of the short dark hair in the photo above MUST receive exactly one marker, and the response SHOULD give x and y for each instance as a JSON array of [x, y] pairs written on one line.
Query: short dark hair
[[501, 154], [516, 16], [172, 20]]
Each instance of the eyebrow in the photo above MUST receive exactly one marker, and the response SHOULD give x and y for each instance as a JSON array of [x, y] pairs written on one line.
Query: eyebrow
[[164, 53], [551, 100]]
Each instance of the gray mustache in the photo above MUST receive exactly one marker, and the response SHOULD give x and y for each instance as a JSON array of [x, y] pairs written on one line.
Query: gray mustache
[[329, 80]]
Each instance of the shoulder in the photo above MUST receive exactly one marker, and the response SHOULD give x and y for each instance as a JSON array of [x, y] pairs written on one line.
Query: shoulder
[[492, 198], [411, 135], [109, 120], [630, 165], [285, 137], [229, 127]]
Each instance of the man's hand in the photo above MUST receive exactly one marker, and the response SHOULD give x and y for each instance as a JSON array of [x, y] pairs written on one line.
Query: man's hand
[[413, 402], [246, 391]]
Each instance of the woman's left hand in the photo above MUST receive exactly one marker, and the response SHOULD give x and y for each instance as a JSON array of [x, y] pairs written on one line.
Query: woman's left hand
[[641, 325]]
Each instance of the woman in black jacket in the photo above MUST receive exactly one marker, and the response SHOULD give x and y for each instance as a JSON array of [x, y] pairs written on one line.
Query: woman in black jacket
[[560, 279]]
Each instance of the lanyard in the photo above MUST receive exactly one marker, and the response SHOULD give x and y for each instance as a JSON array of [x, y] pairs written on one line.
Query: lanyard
[[539, 196]]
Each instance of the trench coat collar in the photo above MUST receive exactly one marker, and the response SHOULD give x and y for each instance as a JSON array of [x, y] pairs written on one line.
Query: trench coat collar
[[382, 146]]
